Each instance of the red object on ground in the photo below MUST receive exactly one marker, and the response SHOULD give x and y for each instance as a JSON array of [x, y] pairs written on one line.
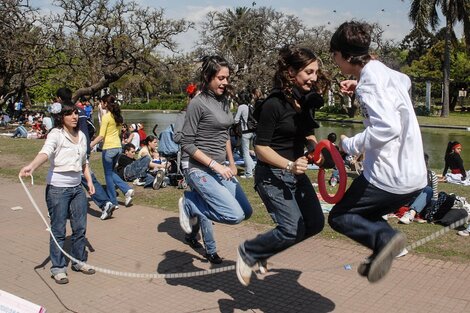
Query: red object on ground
[[332, 199]]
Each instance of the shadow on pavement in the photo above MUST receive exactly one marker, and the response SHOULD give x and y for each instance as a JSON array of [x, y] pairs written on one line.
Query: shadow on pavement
[[277, 291]]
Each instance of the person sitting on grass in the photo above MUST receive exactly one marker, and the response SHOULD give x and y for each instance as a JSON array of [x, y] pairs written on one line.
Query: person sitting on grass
[[424, 199], [130, 169], [453, 160]]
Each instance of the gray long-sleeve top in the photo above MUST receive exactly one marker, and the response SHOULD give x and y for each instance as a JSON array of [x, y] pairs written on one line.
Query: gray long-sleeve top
[[208, 119]]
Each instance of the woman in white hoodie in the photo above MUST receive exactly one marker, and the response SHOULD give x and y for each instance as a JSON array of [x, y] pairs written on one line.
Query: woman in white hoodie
[[394, 171]]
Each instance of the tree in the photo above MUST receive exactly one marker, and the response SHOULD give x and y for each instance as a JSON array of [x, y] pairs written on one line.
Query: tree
[[104, 40], [424, 14]]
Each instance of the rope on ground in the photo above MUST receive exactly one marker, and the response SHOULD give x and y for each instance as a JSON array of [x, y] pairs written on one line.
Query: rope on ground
[[412, 246], [120, 273]]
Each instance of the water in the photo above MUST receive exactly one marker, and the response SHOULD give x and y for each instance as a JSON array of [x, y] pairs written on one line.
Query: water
[[435, 139]]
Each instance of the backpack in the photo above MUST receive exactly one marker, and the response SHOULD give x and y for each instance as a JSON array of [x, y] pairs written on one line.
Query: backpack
[[440, 207], [251, 122]]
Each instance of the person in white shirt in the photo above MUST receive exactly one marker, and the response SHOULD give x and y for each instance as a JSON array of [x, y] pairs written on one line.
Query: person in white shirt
[[394, 171], [65, 148]]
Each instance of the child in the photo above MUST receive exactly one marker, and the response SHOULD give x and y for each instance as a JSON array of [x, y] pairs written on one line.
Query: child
[[394, 170]]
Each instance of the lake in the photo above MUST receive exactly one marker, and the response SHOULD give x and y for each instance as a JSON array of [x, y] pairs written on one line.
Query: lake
[[434, 139]]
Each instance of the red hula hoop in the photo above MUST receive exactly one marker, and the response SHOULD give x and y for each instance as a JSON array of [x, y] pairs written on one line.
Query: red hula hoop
[[321, 172]]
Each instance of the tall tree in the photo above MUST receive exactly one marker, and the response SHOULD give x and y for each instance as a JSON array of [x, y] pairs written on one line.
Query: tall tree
[[424, 14], [104, 40]]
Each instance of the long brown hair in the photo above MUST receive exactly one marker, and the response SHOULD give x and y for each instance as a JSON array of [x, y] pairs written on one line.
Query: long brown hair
[[113, 107]]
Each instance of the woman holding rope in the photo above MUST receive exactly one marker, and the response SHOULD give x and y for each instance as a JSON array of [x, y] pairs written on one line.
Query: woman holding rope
[[285, 127], [66, 148]]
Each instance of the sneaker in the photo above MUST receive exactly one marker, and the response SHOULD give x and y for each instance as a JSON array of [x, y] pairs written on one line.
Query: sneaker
[[243, 270], [139, 182], [402, 253], [184, 218], [158, 180], [383, 261], [263, 266], [214, 258], [85, 269], [246, 176], [364, 267], [464, 233], [192, 242], [406, 218], [129, 194], [61, 278], [107, 211]]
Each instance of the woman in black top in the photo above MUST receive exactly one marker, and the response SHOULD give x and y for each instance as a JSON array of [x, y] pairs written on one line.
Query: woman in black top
[[453, 160], [285, 127]]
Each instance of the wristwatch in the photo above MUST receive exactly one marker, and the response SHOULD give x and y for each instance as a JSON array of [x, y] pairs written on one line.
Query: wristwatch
[[290, 166]]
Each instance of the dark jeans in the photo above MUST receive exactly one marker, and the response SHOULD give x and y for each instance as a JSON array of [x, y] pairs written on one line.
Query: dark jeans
[[359, 214], [67, 203], [293, 205]]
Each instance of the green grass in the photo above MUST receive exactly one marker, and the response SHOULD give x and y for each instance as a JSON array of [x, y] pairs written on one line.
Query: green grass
[[16, 153]]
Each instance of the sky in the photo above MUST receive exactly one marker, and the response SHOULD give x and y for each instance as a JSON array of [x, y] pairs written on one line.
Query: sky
[[392, 15]]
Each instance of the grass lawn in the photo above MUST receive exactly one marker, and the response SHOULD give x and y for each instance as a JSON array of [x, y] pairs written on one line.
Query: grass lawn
[[16, 153]]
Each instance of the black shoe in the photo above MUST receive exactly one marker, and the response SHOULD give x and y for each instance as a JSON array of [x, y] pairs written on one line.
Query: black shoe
[[214, 258], [193, 243]]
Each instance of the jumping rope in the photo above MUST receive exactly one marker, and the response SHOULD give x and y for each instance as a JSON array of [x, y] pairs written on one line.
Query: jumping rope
[[120, 273], [195, 273]]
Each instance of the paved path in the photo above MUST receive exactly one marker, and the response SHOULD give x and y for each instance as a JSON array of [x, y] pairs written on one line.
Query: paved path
[[310, 277]]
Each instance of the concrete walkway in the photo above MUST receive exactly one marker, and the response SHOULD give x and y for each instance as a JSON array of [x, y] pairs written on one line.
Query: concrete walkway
[[310, 277]]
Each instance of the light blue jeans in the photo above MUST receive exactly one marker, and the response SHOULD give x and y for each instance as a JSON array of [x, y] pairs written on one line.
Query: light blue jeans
[[249, 164], [109, 159], [422, 200], [67, 203], [214, 199]]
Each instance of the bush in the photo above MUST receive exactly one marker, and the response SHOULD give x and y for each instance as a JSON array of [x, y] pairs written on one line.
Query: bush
[[422, 110], [332, 109]]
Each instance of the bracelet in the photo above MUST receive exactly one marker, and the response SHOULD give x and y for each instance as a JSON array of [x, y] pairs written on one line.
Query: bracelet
[[212, 163], [290, 166]]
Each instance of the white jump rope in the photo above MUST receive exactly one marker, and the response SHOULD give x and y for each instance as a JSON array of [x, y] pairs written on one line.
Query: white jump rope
[[412, 246]]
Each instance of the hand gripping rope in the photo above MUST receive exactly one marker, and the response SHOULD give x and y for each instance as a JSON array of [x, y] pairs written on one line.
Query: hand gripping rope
[[314, 156], [211, 271], [119, 273]]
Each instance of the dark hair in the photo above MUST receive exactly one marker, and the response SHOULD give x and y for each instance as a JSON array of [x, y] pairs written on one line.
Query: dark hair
[[332, 137], [128, 147], [65, 95], [67, 109], [149, 139], [450, 146], [211, 65], [113, 107], [291, 57], [353, 40]]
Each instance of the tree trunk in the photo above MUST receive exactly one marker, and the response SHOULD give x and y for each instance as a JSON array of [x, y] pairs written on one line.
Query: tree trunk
[[445, 104]]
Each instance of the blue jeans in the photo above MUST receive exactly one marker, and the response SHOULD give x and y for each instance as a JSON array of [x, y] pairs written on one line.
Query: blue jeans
[[139, 169], [214, 199], [109, 159], [422, 200], [359, 213], [293, 205], [67, 203], [100, 197], [249, 164]]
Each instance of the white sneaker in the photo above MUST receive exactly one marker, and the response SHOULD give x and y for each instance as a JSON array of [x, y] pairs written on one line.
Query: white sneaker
[[402, 253], [129, 195], [406, 218], [464, 233], [138, 182], [107, 211], [184, 218], [243, 270]]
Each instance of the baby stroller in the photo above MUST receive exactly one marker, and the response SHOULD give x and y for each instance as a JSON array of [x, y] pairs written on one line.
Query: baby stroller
[[172, 152]]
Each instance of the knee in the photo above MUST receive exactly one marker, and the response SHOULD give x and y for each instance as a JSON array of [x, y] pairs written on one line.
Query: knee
[[312, 230], [333, 221]]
